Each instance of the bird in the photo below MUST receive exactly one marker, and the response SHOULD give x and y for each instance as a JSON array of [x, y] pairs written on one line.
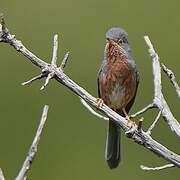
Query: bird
[[118, 80]]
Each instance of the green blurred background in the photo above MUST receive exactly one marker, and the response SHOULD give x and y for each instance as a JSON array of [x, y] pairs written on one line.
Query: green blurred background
[[72, 143]]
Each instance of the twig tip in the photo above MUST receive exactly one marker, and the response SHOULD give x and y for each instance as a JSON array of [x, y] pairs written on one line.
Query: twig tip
[[23, 83], [147, 40], [1, 175], [42, 87], [56, 36], [1, 15], [46, 106], [2, 21], [140, 124], [145, 168]]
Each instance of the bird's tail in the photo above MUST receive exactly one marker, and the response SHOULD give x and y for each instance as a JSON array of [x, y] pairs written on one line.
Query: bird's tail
[[112, 152]]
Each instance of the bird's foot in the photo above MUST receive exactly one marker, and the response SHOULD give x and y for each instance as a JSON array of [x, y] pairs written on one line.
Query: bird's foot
[[99, 101], [130, 132], [132, 127], [130, 122]]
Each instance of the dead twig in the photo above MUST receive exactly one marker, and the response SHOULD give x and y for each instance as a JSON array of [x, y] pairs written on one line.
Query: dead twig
[[33, 149]]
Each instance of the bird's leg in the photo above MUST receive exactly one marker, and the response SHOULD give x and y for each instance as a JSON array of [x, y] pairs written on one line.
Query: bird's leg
[[126, 115], [99, 101], [130, 122], [130, 132]]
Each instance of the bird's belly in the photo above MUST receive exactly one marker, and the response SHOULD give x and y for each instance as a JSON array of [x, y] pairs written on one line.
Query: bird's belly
[[117, 90], [117, 98], [118, 85]]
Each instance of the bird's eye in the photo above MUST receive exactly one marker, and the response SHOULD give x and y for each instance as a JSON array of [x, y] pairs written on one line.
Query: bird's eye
[[120, 41]]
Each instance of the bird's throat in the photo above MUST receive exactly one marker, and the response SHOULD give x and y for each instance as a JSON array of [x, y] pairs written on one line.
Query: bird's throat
[[114, 52]]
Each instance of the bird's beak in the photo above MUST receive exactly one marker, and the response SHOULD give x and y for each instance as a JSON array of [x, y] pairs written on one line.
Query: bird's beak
[[108, 40]]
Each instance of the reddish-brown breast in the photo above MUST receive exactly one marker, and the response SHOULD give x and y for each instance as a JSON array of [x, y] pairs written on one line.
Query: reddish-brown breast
[[117, 84]]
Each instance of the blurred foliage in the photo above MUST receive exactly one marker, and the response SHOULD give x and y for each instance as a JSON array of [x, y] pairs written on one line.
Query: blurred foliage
[[72, 144]]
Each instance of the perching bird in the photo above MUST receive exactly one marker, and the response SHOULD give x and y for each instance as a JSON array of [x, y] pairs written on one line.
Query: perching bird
[[118, 80]]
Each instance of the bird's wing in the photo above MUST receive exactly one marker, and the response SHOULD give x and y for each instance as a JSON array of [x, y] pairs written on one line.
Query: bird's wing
[[129, 105], [98, 79]]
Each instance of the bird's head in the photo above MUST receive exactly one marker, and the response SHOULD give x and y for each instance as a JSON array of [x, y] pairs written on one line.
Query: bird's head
[[118, 36]]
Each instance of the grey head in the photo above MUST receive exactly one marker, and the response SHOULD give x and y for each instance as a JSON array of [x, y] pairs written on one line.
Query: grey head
[[118, 35]]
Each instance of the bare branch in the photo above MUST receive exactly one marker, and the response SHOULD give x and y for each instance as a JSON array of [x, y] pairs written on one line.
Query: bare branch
[[40, 76], [2, 28], [172, 78], [142, 138], [55, 48], [86, 105], [33, 149], [50, 76], [53, 62], [149, 106], [140, 124], [3, 25], [1, 175], [64, 61], [154, 123], [156, 168], [159, 100], [1, 33]]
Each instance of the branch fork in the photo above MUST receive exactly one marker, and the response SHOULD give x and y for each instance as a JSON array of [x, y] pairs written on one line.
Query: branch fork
[[49, 71]]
